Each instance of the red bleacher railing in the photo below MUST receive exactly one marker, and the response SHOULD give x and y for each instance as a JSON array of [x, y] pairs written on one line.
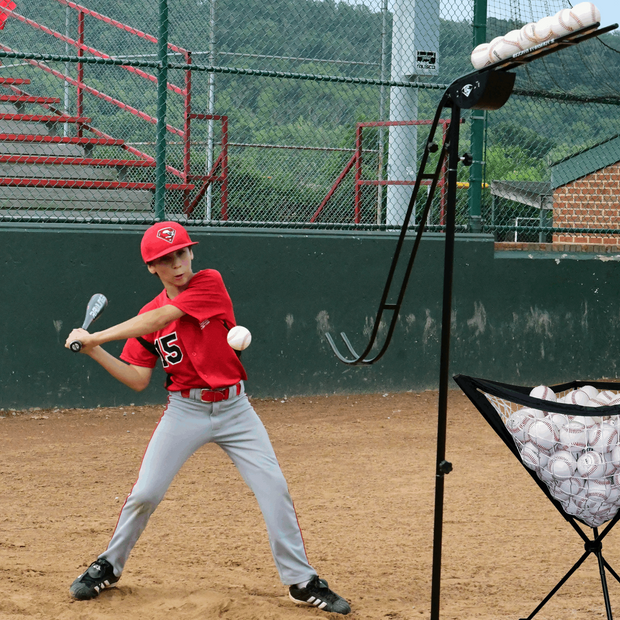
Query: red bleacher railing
[[85, 124], [221, 162], [356, 161]]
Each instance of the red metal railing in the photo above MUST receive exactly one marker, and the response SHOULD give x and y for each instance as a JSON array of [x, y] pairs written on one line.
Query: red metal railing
[[82, 87], [117, 24], [356, 161], [221, 162]]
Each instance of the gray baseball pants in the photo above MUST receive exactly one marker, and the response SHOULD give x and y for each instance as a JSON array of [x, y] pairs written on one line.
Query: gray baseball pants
[[188, 424]]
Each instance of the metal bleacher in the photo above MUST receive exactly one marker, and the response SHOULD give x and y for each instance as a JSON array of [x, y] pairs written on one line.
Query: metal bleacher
[[44, 174]]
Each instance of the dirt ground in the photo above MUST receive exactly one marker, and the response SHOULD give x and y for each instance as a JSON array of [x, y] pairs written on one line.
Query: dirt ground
[[361, 472]]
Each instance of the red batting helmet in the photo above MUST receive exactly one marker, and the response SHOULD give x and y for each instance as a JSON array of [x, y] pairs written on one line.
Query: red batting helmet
[[163, 238]]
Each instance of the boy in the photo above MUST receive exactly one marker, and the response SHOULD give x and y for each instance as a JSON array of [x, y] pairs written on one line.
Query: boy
[[186, 326]]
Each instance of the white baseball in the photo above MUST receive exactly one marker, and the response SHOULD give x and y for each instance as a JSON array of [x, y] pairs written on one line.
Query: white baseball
[[543, 392], [493, 51], [544, 474], [606, 396], [562, 464], [577, 397], [559, 419], [557, 493], [614, 457], [602, 437], [574, 436], [592, 465], [543, 434], [598, 519], [598, 490], [586, 14], [610, 468], [575, 505], [567, 20], [510, 44], [543, 30], [590, 390], [614, 492], [239, 338], [527, 38], [518, 424], [569, 487], [535, 413], [608, 514], [558, 24], [593, 510], [589, 421], [480, 56], [532, 457]]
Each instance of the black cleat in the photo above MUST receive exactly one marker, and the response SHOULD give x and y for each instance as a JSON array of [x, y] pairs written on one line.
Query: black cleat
[[98, 576], [318, 594]]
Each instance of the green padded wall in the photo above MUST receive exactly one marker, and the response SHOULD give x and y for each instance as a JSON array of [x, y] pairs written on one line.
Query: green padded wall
[[516, 317]]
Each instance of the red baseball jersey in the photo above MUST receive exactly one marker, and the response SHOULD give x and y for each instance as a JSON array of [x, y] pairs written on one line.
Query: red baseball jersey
[[193, 349]]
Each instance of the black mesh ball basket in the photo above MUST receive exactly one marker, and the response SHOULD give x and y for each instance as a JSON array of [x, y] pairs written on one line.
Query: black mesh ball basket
[[567, 437]]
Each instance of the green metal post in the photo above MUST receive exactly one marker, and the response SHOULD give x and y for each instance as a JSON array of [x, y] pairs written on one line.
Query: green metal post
[[162, 95], [477, 130]]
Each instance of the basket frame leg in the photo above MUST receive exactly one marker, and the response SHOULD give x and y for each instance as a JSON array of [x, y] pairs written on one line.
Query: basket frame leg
[[593, 546]]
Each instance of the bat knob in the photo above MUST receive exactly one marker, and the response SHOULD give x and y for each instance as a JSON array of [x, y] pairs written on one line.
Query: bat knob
[[76, 346]]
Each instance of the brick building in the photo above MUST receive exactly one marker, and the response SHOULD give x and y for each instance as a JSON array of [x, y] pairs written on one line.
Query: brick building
[[586, 191]]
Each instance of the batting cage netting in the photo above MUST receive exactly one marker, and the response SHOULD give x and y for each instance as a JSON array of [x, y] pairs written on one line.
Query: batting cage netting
[[298, 114]]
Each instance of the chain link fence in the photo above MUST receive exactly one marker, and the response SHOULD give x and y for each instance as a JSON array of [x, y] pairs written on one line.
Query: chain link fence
[[550, 153], [298, 114]]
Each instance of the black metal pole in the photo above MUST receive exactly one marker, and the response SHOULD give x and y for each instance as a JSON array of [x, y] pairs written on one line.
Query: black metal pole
[[601, 569], [444, 467]]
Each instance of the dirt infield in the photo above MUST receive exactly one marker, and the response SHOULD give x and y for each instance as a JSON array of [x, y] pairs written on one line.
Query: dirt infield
[[361, 472]]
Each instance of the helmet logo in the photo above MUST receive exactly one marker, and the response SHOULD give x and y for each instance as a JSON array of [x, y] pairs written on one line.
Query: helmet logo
[[167, 234]]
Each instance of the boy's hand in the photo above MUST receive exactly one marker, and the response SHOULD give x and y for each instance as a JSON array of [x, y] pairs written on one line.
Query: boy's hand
[[87, 340]]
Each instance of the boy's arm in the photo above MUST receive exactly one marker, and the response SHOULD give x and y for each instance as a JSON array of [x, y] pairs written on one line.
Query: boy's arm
[[140, 325], [135, 377]]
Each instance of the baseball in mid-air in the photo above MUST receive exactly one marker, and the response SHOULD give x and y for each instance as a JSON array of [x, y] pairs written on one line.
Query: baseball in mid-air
[[239, 338]]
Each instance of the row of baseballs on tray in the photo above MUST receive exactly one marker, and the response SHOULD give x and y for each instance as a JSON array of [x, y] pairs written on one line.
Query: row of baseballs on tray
[[562, 23]]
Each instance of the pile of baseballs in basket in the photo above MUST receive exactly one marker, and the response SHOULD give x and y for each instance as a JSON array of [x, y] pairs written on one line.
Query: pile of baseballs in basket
[[562, 23], [578, 457]]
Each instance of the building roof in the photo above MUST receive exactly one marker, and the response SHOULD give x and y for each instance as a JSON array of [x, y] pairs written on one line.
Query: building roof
[[585, 162], [532, 193]]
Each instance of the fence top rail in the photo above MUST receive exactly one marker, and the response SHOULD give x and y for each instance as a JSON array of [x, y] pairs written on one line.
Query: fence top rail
[[443, 121], [120, 25], [216, 69], [88, 60]]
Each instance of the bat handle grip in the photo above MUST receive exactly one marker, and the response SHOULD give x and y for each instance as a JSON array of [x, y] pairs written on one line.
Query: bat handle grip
[[76, 346]]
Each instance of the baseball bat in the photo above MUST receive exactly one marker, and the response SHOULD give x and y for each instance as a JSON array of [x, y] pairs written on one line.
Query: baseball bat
[[97, 304]]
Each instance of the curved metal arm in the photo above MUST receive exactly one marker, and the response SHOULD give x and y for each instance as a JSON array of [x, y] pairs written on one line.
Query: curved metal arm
[[395, 307]]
